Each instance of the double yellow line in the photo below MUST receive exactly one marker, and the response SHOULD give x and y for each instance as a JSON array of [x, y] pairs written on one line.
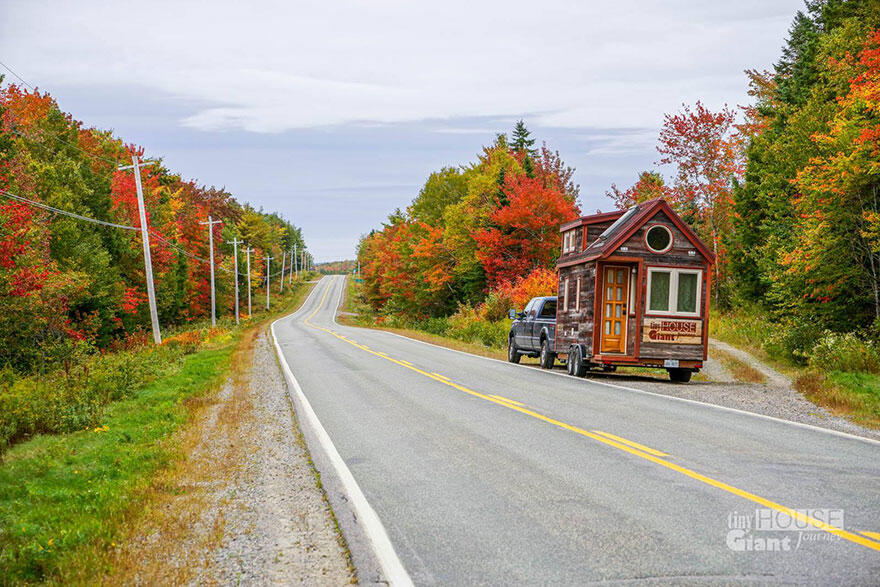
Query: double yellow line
[[617, 442]]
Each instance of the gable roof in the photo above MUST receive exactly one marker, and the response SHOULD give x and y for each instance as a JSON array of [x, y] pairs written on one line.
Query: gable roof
[[628, 223], [592, 219]]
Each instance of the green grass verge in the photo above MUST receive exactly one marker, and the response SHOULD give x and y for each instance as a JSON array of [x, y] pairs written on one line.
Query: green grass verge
[[60, 496], [65, 499]]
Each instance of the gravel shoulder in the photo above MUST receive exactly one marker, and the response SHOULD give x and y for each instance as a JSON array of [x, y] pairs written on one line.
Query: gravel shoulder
[[279, 528], [775, 398], [245, 505]]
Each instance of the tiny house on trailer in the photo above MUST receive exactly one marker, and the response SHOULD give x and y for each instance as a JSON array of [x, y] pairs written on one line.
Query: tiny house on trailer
[[633, 290]]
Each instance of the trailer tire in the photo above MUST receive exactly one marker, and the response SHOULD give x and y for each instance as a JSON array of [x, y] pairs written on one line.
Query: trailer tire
[[547, 358], [577, 365], [512, 352], [680, 375]]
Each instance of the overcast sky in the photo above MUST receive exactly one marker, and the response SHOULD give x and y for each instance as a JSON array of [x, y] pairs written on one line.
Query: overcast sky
[[333, 113]]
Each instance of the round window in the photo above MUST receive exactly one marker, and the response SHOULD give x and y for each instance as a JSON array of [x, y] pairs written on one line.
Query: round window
[[659, 238]]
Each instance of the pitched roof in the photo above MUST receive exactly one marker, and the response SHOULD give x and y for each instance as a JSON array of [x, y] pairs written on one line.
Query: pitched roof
[[629, 222], [592, 219]]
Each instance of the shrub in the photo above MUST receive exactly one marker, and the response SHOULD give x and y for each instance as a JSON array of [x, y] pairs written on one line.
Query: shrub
[[74, 398], [469, 326], [845, 352], [792, 341], [516, 294]]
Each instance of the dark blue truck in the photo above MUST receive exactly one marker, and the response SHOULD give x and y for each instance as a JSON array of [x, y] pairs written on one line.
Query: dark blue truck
[[533, 332]]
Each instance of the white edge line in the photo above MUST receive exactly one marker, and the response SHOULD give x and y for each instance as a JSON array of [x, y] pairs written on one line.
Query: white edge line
[[634, 390], [394, 571]]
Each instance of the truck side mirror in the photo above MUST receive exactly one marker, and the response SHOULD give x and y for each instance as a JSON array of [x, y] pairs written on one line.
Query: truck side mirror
[[511, 314]]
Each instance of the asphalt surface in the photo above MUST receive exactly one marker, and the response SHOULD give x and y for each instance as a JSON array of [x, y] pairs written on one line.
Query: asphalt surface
[[478, 489]]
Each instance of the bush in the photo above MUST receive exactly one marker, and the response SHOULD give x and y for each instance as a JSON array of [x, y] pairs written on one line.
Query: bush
[[73, 398], [845, 352], [467, 325], [792, 341]]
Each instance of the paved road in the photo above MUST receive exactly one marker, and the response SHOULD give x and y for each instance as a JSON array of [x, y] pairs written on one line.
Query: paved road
[[484, 472]]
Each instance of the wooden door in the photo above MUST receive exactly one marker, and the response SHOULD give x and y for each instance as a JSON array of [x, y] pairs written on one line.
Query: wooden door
[[615, 295]]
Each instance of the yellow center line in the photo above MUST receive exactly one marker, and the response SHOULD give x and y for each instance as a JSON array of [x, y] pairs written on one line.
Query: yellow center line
[[641, 447], [845, 534], [874, 535], [508, 400], [444, 377]]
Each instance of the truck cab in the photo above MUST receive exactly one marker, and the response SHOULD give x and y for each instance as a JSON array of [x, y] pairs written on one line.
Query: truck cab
[[533, 332]]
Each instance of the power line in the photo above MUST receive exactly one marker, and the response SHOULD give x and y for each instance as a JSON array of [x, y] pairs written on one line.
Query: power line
[[153, 233], [9, 69], [50, 133], [65, 212]]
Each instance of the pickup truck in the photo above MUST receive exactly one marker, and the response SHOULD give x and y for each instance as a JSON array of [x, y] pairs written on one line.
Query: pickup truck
[[533, 332]]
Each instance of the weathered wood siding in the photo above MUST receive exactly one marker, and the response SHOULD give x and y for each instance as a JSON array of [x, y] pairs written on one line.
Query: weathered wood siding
[[575, 326]]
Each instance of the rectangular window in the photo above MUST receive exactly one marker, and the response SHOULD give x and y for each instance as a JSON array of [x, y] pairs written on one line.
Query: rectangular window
[[658, 288], [565, 296], [577, 295], [687, 292], [674, 291]]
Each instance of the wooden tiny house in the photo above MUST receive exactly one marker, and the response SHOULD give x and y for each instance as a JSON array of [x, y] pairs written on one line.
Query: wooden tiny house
[[633, 290]]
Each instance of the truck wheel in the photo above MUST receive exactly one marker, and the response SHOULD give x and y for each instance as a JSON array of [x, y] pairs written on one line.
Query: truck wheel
[[512, 353], [680, 375], [547, 358], [577, 366]]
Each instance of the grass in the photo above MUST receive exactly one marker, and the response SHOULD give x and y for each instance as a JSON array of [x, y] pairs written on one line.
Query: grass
[[741, 371], [854, 395], [851, 394], [68, 501], [63, 498]]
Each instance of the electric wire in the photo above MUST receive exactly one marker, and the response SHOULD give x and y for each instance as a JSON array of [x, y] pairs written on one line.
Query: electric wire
[[12, 196], [50, 133]]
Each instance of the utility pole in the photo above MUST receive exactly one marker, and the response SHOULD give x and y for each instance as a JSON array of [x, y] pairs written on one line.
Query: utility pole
[[211, 224], [283, 260], [292, 263], [145, 240], [302, 259], [268, 289], [234, 244], [295, 264], [248, 252]]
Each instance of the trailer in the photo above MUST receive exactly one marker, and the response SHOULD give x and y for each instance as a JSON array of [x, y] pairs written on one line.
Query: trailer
[[633, 290]]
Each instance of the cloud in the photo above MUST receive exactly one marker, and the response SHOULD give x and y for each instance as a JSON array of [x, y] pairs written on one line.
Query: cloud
[[268, 67]]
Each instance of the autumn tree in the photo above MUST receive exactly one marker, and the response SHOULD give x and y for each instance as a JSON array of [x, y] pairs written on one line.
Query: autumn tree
[[649, 185]]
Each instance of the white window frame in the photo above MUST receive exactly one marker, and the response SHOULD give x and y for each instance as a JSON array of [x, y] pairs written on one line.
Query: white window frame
[[565, 296], [577, 295], [674, 272]]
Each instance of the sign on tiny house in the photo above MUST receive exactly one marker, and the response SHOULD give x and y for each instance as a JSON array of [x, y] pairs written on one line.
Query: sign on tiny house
[[633, 290]]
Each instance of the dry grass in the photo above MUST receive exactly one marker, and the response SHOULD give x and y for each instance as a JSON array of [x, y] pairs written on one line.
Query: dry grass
[[184, 521], [841, 401], [170, 540], [741, 371]]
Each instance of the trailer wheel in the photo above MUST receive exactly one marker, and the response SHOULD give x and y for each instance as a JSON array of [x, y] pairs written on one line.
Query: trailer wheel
[[680, 375], [512, 353], [576, 364], [547, 358]]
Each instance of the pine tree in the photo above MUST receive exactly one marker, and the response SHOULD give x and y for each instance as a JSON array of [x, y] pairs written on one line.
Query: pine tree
[[522, 140]]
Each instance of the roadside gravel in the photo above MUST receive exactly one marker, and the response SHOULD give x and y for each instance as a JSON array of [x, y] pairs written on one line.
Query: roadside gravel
[[770, 400], [278, 527]]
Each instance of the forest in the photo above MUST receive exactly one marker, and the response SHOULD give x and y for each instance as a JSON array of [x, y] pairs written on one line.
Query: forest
[[70, 288], [784, 189]]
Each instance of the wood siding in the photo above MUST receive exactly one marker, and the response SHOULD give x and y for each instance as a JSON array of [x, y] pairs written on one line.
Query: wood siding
[[575, 326]]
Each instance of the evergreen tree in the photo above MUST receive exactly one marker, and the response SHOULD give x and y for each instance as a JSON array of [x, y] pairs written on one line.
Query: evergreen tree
[[522, 140]]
